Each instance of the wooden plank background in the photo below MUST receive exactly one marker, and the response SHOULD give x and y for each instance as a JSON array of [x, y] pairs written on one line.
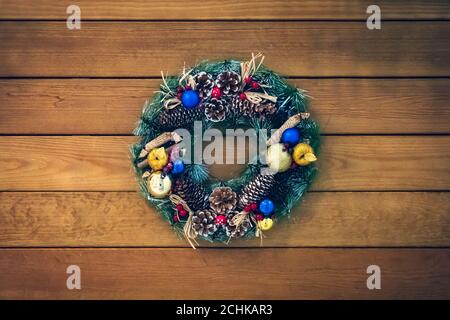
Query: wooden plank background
[[111, 49], [70, 99], [102, 106], [228, 10]]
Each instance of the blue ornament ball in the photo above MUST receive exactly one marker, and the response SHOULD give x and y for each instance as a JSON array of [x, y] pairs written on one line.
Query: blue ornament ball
[[291, 136], [178, 166], [190, 99], [266, 207]]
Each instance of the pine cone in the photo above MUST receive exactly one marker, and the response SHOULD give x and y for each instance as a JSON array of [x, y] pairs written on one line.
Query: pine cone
[[205, 83], [194, 194], [229, 82], [215, 109], [222, 200], [180, 117], [203, 223], [256, 190], [237, 232], [247, 108]]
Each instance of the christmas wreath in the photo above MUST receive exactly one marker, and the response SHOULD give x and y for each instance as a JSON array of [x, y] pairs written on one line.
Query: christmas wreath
[[225, 95]]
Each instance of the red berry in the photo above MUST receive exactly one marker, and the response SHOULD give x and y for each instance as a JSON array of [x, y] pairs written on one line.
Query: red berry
[[183, 213], [254, 206], [216, 93], [248, 79], [259, 216], [247, 208], [179, 207], [180, 89], [188, 87], [176, 219], [243, 96], [221, 219], [179, 95], [255, 85]]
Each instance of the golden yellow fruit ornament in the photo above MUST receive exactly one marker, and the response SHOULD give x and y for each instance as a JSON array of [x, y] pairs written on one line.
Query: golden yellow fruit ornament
[[265, 224], [278, 158], [159, 185], [303, 154], [158, 158]]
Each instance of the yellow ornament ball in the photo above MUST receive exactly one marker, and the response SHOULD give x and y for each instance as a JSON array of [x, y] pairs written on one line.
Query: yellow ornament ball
[[265, 224], [303, 154], [158, 158], [158, 185], [278, 158]]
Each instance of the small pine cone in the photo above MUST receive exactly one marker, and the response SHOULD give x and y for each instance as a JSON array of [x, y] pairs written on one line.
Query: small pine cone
[[204, 223], [222, 200], [237, 232], [216, 109], [180, 117], [256, 190], [194, 194], [205, 83], [229, 82]]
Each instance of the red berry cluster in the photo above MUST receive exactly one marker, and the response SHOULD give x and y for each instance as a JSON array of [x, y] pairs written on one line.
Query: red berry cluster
[[181, 213], [253, 207], [221, 219], [216, 93]]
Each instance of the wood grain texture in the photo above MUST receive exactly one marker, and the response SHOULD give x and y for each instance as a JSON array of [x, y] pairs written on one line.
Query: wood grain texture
[[90, 163], [38, 49], [287, 273], [112, 106], [229, 10], [324, 219]]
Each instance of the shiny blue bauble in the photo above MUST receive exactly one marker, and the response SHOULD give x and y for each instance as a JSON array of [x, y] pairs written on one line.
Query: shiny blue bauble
[[190, 99], [291, 136], [178, 166], [266, 207]]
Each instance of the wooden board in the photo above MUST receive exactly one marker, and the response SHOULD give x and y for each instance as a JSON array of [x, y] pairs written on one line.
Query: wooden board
[[112, 106], [324, 219], [225, 274], [102, 163], [229, 10], [105, 49]]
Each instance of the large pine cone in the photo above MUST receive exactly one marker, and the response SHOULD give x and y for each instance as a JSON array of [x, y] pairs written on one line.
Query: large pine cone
[[216, 109], [205, 83], [222, 200], [256, 190], [194, 194], [247, 108], [204, 223], [237, 232], [229, 82], [180, 117]]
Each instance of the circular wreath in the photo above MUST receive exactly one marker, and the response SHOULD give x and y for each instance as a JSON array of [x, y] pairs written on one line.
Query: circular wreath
[[225, 95]]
